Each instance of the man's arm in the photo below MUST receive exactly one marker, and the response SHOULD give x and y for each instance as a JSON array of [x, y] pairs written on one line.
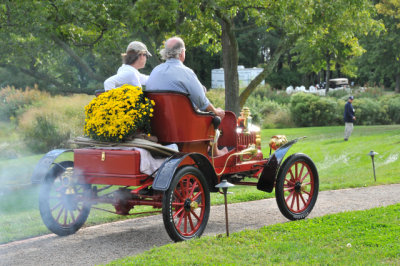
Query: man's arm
[[217, 111]]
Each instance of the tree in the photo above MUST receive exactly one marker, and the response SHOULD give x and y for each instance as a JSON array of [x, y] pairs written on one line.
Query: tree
[[64, 44], [333, 37], [215, 23], [387, 54]]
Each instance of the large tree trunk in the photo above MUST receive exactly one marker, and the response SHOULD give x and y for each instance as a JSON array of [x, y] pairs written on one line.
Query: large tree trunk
[[263, 74], [397, 88], [230, 63]]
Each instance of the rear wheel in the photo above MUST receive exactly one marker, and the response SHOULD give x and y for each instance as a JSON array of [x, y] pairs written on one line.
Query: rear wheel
[[186, 204], [62, 202], [297, 186]]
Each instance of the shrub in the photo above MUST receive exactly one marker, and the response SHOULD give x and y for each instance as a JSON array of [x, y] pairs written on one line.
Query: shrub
[[15, 101], [279, 118], [278, 96], [65, 113], [44, 135], [217, 97], [370, 92], [338, 94], [393, 109], [311, 110], [370, 112]]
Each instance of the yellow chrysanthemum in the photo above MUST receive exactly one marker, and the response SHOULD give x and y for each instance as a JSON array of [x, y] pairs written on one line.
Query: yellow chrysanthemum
[[117, 114]]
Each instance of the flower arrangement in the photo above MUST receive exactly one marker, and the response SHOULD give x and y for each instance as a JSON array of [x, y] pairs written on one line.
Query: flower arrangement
[[118, 114]]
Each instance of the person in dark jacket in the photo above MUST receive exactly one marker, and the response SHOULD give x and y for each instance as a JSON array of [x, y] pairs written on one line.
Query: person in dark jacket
[[349, 118]]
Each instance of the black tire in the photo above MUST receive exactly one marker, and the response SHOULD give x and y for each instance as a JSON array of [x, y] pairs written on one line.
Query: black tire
[[186, 204], [62, 206], [297, 187]]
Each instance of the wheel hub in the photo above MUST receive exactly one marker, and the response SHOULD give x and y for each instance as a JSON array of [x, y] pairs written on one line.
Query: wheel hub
[[70, 202], [187, 205], [297, 187]]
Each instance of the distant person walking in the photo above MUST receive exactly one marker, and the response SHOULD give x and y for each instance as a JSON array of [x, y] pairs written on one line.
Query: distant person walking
[[348, 118]]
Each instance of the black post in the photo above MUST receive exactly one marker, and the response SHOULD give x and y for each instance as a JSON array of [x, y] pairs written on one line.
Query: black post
[[372, 154], [225, 185], [226, 211]]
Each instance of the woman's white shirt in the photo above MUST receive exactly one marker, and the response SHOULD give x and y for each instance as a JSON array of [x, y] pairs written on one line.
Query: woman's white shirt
[[126, 74]]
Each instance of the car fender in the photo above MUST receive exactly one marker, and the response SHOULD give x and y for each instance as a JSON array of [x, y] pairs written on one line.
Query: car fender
[[167, 170], [42, 167], [267, 178]]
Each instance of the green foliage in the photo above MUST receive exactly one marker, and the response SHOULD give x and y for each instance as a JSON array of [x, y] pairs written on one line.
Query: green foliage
[[370, 92], [380, 65], [274, 95], [284, 78], [15, 101], [65, 114], [217, 97], [268, 113], [370, 112], [311, 110], [332, 37], [393, 107], [351, 238], [44, 135]]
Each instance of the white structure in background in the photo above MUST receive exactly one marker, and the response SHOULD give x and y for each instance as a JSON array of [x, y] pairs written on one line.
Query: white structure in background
[[246, 75], [337, 84]]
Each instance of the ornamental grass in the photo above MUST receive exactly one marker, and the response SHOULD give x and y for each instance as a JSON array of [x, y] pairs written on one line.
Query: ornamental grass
[[118, 114]]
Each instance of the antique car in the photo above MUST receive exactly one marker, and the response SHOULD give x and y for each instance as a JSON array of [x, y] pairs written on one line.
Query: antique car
[[338, 83], [181, 186]]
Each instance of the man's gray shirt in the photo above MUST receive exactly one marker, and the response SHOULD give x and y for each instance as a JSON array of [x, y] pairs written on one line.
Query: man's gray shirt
[[173, 75]]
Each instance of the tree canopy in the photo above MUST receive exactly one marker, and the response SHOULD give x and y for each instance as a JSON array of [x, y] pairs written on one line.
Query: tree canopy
[[73, 46]]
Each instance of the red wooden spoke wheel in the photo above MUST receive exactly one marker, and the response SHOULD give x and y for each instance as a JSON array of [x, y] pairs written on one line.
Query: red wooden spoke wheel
[[61, 200], [186, 204], [297, 187]]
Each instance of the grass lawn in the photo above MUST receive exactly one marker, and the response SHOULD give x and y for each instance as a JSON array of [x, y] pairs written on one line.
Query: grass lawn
[[351, 238], [340, 164]]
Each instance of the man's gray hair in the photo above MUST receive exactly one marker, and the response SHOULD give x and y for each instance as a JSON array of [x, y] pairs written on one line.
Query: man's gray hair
[[172, 51]]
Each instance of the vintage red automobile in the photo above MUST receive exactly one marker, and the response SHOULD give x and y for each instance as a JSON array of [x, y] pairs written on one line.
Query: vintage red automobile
[[181, 186]]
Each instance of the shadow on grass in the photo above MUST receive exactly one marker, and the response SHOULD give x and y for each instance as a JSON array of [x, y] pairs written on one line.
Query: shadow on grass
[[336, 141]]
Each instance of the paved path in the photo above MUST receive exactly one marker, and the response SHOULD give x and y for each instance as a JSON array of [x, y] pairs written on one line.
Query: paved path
[[103, 243]]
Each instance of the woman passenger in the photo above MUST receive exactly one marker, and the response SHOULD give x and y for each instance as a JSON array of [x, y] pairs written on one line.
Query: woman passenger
[[134, 59]]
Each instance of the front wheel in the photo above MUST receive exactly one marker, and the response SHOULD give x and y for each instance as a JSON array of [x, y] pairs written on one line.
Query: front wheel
[[62, 202], [186, 204], [297, 186]]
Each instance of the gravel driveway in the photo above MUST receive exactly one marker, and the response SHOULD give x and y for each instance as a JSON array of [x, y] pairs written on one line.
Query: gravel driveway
[[103, 243]]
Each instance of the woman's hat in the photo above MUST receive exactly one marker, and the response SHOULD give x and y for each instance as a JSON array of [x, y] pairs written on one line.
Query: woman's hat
[[138, 47]]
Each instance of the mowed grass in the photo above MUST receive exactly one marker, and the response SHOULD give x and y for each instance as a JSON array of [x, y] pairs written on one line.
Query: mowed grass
[[352, 238], [340, 165]]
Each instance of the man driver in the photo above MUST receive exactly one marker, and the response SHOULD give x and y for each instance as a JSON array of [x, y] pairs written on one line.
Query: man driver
[[173, 75]]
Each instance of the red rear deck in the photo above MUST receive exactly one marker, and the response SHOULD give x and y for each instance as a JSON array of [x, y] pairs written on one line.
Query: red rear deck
[[109, 166]]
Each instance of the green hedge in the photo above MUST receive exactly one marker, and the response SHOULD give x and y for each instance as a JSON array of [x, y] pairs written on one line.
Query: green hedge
[[369, 111], [393, 109], [310, 110]]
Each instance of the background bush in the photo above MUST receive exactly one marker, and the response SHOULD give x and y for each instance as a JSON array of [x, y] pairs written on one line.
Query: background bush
[[369, 111], [310, 110], [393, 109], [53, 123], [44, 135], [15, 101]]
